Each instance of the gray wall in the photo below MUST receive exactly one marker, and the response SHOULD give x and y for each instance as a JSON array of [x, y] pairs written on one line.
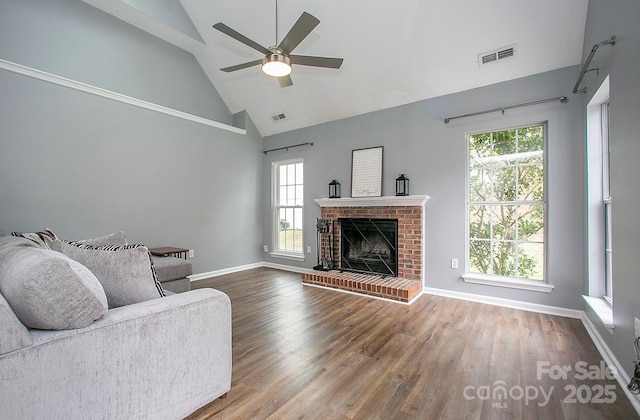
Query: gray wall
[[622, 63], [84, 165], [433, 155]]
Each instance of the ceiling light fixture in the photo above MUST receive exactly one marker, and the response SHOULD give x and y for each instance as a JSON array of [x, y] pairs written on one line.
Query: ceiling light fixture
[[276, 64]]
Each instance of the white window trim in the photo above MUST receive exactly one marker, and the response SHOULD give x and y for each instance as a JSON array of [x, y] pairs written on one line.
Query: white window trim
[[505, 281], [602, 309], [295, 256], [510, 282], [597, 300]]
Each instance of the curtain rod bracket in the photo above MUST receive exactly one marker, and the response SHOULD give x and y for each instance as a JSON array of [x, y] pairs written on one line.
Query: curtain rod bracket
[[585, 67]]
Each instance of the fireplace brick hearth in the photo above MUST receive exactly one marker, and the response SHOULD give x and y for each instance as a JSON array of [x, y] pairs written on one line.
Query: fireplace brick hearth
[[409, 211]]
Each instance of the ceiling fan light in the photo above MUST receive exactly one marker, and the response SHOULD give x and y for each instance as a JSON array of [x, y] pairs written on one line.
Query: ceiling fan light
[[276, 65]]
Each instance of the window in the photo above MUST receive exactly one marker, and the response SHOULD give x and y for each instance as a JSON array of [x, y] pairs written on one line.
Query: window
[[505, 203], [288, 205], [600, 255], [606, 203]]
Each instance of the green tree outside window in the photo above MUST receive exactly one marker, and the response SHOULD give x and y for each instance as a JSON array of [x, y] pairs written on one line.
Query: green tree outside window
[[506, 202]]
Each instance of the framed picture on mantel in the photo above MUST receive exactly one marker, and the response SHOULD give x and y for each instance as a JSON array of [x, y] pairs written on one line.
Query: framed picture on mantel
[[366, 172]]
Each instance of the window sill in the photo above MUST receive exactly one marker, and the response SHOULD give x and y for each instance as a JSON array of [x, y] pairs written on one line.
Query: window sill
[[602, 309], [511, 282], [287, 256]]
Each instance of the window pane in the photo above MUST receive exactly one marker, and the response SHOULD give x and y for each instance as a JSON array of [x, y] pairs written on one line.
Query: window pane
[[479, 223], [291, 174], [282, 200], [299, 175], [530, 185], [283, 175], [531, 260], [503, 222], [299, 195], [503, 258], [530, 223], [479, 253], [479, 146], [530, 139], [504, 143], [479, 184], [291, 195], [504, 183]]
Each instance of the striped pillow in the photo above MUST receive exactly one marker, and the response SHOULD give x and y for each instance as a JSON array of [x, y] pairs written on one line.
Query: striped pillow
[[126, 273], [43, 238]]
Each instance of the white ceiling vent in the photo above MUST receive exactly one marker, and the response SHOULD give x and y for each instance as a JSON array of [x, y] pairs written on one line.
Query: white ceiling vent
[[496, 55], [278, 117]]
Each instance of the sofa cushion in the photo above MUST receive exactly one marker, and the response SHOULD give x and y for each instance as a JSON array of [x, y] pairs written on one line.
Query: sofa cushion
[[115, 238], [42, 238], [125, 272], [171, 268], [14, 334], [47, 290]]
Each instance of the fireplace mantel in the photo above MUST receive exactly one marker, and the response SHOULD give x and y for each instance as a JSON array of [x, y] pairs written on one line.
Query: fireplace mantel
[[387, 201]]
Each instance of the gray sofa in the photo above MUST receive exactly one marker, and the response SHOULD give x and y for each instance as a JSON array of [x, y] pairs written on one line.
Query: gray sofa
[[160, 358], [173, 273]]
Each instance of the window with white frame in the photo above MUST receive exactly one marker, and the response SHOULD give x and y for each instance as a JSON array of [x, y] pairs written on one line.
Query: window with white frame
[[288, 183], [599, 196], [505, 203]]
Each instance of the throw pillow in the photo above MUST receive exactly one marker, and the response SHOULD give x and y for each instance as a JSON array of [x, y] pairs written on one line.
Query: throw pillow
[[116, 238], [125, 272], [50, 291], [42, 238]]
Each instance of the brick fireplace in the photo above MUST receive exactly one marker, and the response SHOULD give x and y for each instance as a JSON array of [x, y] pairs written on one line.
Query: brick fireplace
[[409, 212]]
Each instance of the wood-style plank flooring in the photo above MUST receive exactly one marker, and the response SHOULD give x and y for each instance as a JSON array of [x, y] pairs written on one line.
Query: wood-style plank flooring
[[304, 352]]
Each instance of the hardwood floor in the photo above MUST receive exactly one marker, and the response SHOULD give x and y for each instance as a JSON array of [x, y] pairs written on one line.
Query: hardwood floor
[[303, 352]]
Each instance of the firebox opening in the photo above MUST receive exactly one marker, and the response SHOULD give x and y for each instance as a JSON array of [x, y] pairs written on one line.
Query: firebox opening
[[369, 246]]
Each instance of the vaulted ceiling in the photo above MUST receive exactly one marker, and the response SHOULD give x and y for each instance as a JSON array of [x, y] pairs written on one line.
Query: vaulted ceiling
[[395, 52]]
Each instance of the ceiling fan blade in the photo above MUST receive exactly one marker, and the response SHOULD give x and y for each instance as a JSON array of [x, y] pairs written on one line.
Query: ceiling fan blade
[[239, 37], [306, 60], [303, 26], [241, 66], [285, 81]]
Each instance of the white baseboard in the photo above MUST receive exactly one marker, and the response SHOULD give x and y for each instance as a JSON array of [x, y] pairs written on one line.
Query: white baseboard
[[507, 303], [611, 360], [230, 270], [285, 267]]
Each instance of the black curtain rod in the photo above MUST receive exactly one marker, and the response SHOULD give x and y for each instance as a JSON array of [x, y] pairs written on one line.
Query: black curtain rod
[[562, 99], [585, 68], [288, 147]]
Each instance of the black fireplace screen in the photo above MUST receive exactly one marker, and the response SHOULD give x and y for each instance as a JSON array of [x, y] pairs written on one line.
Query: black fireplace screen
[[369, 246]]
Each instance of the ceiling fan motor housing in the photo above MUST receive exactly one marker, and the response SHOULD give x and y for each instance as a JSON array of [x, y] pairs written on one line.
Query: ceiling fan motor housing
[[276, 64]]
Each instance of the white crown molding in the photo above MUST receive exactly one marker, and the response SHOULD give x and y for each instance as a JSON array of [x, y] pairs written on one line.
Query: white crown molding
[[387, 201], [94, 90]]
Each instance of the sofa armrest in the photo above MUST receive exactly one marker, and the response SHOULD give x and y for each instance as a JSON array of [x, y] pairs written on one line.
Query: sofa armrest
[[162, 358]]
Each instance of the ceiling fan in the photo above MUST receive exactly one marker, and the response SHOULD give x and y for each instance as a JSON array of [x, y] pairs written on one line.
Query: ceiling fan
[[278, 59]]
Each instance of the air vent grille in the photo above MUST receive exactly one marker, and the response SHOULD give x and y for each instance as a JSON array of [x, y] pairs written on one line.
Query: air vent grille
[[489, 58], [506, 53], [496, 55], [278, 117]]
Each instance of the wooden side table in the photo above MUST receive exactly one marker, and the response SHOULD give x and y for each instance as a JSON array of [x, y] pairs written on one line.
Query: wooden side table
[[170, 251]]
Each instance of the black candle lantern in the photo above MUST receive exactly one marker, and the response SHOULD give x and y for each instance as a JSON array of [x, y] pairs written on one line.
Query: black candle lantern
[[334, 189], [402, 185]]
